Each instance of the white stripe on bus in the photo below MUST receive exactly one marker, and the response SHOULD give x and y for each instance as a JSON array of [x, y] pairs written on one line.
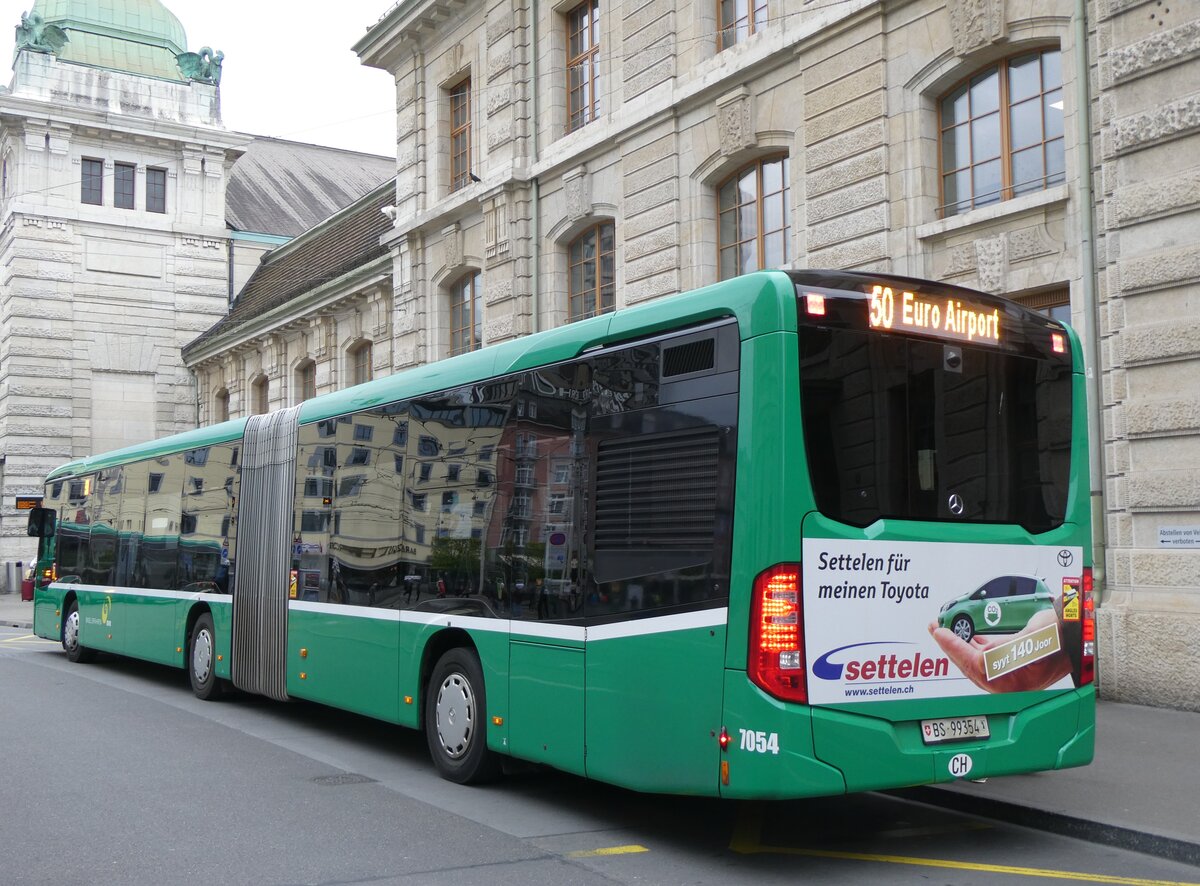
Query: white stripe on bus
[[703, 618]]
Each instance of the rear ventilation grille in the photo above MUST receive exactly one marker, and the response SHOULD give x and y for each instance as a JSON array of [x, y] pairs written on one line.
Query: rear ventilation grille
[[657, 491], [695, 356]]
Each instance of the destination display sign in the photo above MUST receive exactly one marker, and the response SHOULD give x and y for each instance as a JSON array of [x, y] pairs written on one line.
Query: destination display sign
[[28, 502], [939, 316]]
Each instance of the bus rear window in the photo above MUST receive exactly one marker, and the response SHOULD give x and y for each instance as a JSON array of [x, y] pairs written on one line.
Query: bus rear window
[[912, 428]]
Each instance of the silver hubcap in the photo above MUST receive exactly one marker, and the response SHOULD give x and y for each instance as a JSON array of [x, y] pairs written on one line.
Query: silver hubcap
[[455, 715], [202, 649], [71, 630], [962, 629]]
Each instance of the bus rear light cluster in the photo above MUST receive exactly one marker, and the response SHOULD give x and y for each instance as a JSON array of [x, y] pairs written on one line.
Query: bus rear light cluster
[[1087, 666], [776, 660]]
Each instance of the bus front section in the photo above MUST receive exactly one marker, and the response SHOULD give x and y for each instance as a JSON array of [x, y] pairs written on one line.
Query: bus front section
[[929, 615]]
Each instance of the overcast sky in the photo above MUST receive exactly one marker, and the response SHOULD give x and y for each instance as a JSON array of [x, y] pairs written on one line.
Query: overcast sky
[[288, 70]]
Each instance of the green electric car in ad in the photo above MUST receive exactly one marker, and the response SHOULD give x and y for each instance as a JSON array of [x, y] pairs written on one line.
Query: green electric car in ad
[[1003, 605]]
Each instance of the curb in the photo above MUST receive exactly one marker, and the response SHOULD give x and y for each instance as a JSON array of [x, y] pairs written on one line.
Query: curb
[[1170, 848], [24, 625]]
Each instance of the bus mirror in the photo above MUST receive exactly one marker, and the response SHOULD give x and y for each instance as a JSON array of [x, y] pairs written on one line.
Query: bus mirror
[[41, 523]]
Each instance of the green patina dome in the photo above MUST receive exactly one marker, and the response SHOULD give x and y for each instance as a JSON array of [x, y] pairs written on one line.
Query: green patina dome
[[134, 36]]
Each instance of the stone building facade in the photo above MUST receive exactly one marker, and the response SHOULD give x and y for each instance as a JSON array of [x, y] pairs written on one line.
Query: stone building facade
[[113, 245], [558, 159]]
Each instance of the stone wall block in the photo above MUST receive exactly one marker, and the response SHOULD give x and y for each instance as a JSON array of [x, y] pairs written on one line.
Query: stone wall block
[[1157, 492], [651, 287], [499, 25], [845, 117], [846, 200], [829, 96], [1159, 197], [1166, 121], [648, 176], [1161, 269], [852, 254], [497, 291], [1162, 341], [1165, 568], [656, 218], [848, 227], [655, 263], [656, 241], [648, 198], [659, 72], [646, 15], [847, 172], [660, 149], [845, 146], [1162, 416], [1157, 51], [499, 63]]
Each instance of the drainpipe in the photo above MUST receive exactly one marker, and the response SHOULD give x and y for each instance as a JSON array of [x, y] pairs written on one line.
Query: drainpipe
[[535, 226], [1091, 308]]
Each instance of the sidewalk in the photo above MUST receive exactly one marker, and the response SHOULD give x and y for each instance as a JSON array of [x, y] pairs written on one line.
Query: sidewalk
[[1142, 792], [14, 613]]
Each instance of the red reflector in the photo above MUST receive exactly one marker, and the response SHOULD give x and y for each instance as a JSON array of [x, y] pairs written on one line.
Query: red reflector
[[1058, 343], [723, 739], [1087, 658], [776, 661], [814, 303]]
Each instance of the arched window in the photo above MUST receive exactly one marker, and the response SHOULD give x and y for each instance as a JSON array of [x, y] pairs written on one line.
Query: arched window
[[1002, 132], [755, 221], [466, 317], [306, 381], [359, 359], [591, 272], [260, 395], [221, 405]]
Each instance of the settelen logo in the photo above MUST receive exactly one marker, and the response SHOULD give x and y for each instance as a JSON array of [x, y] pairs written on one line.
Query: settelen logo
[[885, 666]]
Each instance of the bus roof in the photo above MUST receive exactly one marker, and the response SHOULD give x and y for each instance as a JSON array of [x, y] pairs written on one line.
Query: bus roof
[[762, 302]]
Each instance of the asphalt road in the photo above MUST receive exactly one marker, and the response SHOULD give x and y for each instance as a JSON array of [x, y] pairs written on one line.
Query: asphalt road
[[114, 773]]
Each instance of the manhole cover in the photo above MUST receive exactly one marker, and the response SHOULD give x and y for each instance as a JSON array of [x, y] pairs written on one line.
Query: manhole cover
[[343, 778]]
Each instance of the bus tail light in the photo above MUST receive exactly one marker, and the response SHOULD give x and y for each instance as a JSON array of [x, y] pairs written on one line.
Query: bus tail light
[[1087, 661], [776, 661]]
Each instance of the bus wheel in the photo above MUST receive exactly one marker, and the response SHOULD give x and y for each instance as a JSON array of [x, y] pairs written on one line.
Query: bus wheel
[[75, 650], [201, 658], [456, 719], [963, 628]]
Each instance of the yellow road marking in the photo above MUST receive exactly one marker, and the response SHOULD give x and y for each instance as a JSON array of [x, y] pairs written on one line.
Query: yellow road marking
[[26, 638], [611, 850], [972, 866], [747, 832]]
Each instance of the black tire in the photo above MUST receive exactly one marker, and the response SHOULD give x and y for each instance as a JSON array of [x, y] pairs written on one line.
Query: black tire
[[456, 719], [963, 628], [202, 659], [75, 650]]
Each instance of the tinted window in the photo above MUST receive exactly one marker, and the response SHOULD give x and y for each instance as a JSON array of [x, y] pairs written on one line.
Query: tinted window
[[892, 429]]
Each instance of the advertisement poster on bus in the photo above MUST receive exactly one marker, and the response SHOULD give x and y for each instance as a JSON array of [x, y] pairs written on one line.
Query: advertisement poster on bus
[[906, 620]]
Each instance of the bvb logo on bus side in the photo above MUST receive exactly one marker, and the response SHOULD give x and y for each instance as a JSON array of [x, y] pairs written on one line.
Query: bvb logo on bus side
[[105, 609]]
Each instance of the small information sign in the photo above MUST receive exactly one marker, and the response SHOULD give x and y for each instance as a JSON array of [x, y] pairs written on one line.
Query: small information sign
[[1179, 536]]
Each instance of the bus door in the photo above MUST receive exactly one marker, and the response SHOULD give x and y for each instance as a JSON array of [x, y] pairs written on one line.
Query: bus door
[[536, 564], [662, 440]]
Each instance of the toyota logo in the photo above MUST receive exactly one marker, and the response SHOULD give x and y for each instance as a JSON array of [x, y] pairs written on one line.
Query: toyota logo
[[955, 504], [1065, 557]]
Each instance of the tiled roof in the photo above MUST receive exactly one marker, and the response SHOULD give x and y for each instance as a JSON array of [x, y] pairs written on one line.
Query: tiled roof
[[347, 242], [285, 188]]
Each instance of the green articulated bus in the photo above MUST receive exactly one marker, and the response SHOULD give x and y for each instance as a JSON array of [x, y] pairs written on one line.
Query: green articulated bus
[[794, 534]]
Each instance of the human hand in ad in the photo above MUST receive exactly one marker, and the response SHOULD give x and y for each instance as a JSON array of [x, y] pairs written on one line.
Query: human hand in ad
[[1029, 660]]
